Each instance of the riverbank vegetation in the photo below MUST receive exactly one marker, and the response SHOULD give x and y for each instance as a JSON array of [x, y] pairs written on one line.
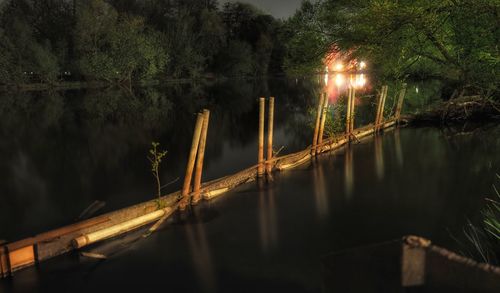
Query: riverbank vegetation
[[481, 238], [455, 41], [125, 41]]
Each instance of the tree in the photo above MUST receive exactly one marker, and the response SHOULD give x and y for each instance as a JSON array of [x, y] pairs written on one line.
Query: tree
[[116, 47], [455, 40], [24, 57]]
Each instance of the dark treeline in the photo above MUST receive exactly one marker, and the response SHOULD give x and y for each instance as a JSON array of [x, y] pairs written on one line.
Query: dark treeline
[[134, 40]]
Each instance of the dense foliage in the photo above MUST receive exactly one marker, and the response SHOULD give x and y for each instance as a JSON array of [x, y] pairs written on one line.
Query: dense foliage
[[454, 40], [131, 40]]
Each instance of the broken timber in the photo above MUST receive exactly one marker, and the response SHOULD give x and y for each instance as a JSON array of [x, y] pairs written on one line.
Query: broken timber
[[412, 264], [24, 253]]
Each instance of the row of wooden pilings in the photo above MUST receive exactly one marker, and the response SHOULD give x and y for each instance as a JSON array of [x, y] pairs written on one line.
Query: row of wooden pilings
[[17, 255], [191, 195]]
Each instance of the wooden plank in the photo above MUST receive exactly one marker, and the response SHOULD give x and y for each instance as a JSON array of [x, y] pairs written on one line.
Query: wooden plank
[[21, 257]]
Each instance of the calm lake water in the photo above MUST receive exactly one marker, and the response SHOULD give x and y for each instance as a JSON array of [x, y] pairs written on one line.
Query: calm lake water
[[59, 152]]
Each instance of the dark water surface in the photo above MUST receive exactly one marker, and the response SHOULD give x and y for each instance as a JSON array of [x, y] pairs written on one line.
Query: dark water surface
[[58, 157]]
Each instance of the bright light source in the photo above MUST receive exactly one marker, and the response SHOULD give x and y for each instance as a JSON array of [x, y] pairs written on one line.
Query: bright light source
[[362, 65], [339, 67], [360, 81], [326, 79], [339, 79]]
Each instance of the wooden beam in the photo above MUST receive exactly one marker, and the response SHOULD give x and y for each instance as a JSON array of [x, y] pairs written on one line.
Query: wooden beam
[[348, 114], [191, 160], [200, 158], [118, 229], [262, 110], [270, 126], [318, 120], [323, 119]]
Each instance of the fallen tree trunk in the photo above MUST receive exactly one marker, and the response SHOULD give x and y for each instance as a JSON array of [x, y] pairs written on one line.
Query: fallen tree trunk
[[472, 108]]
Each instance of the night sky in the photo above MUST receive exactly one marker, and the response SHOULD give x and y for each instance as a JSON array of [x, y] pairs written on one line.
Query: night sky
[[277, 8]]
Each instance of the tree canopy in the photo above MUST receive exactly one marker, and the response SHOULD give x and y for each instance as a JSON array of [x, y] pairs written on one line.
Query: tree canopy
[[131, 40], [454, 40]]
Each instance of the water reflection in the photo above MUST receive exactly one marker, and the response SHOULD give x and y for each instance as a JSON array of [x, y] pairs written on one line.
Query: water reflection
[[320, 191], [92, 143], [267, 217], [399, 150], [348, 171], [337, 84], [201, 253], [379, 157]]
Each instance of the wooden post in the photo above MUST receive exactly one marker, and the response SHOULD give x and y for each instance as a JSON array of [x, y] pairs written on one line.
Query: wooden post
[[262, 109], [380, 108], [191, 160], [348, 114], [270, 125], [383, 106], [323, 119], [318, 119], [200, 158], [352, 112], [399, 106]]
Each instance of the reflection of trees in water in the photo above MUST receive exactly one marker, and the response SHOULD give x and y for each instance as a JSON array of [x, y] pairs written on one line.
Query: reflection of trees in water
[[87, 145]]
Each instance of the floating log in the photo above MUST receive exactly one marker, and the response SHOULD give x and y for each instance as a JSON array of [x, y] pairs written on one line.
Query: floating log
[[270, 126], [200, 158], [191, 161], [262, 109], [121, 228]]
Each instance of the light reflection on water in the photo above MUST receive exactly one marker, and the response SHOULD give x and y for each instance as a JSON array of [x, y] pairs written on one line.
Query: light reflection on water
[[337, 84]]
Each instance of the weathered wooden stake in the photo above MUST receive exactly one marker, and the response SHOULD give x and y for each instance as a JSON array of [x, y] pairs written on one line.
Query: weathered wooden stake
[[262, 109], [399, 106], [318, 119], [352, 111], [270, 125], [200, 158], [323, 119], [380, 108], [191, 160], [348, 114]]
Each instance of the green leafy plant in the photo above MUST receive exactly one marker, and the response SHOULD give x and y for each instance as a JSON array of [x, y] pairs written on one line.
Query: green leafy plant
[[482, 240], [155, 158]]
